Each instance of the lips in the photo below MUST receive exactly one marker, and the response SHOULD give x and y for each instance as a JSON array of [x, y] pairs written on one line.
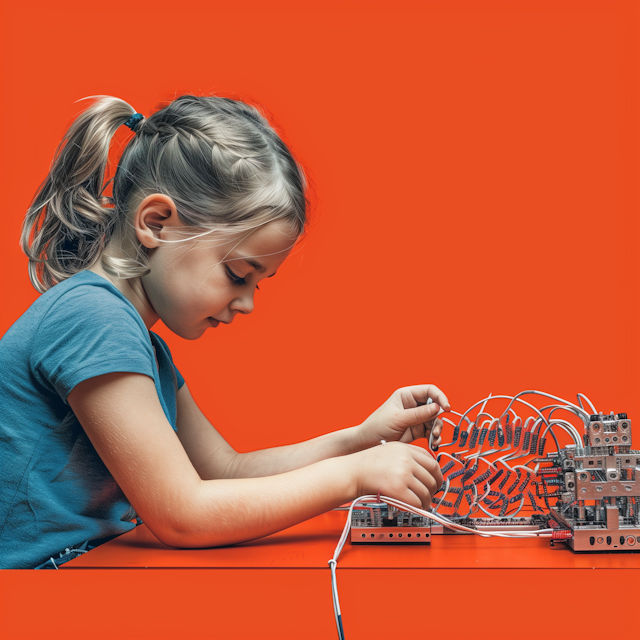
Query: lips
[[214, 322]]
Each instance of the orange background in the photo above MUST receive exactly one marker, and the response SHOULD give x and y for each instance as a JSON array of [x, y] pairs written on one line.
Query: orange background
[[475, 167]]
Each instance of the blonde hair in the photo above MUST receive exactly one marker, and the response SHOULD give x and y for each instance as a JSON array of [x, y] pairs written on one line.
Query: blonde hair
[[219, 159]]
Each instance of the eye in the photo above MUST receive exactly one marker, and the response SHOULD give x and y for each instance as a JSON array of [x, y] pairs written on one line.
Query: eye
[[236, 279]]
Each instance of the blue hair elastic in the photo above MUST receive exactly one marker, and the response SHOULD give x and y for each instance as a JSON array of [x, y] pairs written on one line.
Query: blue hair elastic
[[133, 121]]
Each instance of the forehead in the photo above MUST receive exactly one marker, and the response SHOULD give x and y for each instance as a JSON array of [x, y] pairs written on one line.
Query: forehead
[[266, 247]]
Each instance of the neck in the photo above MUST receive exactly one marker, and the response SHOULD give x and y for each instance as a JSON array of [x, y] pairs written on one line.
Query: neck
[[133, 290]]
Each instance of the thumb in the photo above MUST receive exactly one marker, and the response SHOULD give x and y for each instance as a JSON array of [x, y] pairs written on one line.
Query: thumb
[[418, 415]]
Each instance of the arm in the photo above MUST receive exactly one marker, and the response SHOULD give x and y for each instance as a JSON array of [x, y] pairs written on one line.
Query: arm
[[122, 416], [213, 457], [396, 419]]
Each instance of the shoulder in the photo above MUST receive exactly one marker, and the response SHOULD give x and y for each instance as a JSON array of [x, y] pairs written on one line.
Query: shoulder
[[86, 296], [88, 326]]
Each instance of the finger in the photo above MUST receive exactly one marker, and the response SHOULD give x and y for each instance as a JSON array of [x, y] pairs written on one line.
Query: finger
[[427, 461], [422, 392], [422, 491], [426, 479], [412, 498], [417, 415]]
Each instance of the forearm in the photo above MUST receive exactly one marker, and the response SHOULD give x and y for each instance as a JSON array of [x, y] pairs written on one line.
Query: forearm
[[268, 462], [229, 511]]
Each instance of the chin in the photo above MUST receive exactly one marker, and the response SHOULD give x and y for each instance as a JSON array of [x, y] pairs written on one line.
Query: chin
[[188, 333]]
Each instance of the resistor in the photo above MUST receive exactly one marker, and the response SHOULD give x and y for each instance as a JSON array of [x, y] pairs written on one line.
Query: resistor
[[455, 474], [534, 504], [470, 473], [541, 444], [456, 504], [549, 471], [483, 435], [496, 476], [516, 440], [447, 467], [483, 477], [474, 437], [534, 444], [455, 490], [492, 436], [516, 482], [554, 482], [509, 433], [504, 480], [515, 498], [561, 534], [500, 437], [444, 503], [505, 506], [463, 439], [456, 431], [527, 440], [501, 498], [524, 483], [494, 493]]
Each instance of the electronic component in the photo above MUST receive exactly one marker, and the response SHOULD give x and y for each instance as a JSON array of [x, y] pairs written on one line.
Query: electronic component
[[382, 523], [598, 487], [589, 489]]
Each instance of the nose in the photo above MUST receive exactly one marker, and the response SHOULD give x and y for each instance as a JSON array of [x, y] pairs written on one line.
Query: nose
[[243, 303]]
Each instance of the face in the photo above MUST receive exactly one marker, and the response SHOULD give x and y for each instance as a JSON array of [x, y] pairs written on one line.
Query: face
[[197, 284]]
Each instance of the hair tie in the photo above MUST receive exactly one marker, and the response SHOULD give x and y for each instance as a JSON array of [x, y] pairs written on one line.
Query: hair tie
[[133, 121]]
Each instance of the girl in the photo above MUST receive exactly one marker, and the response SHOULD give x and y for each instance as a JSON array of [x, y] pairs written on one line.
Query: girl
[[97, 425]]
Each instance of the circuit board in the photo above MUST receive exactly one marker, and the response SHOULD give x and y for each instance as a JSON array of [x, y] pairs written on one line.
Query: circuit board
[[586, 493]]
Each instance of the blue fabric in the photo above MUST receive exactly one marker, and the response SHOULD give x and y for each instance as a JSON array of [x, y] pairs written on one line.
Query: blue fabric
[[55, 491]]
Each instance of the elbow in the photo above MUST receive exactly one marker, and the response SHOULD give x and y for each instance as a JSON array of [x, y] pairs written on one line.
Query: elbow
[[189, 527]]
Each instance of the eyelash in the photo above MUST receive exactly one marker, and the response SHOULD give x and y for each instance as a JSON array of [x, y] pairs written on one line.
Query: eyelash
[[237, 279]]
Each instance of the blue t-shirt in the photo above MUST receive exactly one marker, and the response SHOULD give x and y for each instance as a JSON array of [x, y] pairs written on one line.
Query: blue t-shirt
[[55, 491]]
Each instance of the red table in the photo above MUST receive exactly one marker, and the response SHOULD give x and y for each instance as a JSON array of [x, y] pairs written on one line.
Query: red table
[[279, 587]]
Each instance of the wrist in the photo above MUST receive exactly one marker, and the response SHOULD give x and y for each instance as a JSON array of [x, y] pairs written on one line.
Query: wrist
[[345, 472]]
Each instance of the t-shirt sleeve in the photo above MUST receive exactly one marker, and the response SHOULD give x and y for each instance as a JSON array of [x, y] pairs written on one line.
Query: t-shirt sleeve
[[165, 348], [86, 333]]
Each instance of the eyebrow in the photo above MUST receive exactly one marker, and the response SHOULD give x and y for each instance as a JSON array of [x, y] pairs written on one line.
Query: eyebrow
[[258, 266]]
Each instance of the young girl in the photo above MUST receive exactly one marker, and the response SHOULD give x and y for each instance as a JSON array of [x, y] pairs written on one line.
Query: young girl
[[96, 423]]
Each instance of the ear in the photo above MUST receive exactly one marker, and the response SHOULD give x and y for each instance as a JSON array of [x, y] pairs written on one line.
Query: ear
[[155, 214]]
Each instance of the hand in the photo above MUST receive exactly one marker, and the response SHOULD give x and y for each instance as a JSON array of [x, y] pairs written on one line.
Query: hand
[[398, 470], [406, 416]]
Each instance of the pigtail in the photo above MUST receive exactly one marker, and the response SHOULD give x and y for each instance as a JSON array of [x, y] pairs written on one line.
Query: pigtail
[[67, 226]]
